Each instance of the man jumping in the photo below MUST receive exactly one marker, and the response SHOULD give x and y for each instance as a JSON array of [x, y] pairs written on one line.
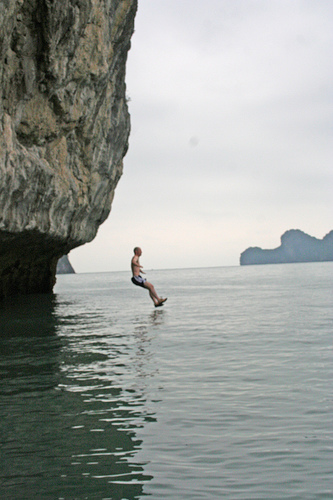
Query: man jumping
[[138, 280]]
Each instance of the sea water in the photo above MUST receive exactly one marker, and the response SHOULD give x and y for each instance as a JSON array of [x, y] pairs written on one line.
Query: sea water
[[224, 392]]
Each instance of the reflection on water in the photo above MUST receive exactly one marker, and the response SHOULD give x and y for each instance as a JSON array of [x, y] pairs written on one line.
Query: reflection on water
[[223, 393], [72, 398]]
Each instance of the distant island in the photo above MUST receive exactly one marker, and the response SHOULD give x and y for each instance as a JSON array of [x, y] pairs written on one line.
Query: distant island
[[64, 266], [296, 246]]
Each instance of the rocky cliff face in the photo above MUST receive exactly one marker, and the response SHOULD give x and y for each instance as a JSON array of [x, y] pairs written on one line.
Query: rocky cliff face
[[64, 266], [64, 128], [296, 246]]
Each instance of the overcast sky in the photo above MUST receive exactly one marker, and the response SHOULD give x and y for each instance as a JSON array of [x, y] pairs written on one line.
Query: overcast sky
[[231, 141]]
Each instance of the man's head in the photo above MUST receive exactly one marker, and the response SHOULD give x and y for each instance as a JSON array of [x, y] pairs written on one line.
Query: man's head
[[137, 251]]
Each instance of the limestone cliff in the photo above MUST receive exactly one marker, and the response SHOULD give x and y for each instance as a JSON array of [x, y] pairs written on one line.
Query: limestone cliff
[[64, 266], [296, 246], [64, 127]]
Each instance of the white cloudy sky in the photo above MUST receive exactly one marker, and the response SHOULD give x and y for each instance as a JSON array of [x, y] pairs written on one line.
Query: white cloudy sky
[[231, 142]]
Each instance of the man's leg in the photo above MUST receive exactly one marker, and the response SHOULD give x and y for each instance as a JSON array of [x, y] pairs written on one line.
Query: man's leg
[[152, 292], [153, 298]]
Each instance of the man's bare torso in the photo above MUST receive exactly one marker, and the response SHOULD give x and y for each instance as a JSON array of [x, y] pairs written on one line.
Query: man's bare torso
[[135, 265]]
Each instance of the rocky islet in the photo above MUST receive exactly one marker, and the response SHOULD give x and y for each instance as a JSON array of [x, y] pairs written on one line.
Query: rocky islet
[[296, 246]]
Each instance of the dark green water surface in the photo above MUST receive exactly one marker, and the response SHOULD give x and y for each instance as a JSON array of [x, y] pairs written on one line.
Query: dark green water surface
[[225, 392]]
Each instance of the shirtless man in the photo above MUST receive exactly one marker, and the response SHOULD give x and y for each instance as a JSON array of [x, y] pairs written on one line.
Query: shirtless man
[[138, 280]]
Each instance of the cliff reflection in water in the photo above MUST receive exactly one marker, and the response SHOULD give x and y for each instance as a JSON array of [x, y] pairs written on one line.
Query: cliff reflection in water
[[71, 401]]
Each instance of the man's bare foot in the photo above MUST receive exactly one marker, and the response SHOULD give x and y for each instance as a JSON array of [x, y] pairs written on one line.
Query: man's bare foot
[[160, 303]]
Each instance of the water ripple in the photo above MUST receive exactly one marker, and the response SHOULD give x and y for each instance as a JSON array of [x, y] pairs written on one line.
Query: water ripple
[[223, 393]]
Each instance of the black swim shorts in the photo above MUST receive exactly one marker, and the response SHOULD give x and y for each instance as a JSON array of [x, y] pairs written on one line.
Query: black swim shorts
[[138, 281]]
